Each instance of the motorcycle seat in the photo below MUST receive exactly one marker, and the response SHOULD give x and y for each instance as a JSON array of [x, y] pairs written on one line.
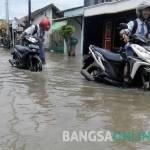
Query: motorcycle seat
[[108, 55], [22, 49]]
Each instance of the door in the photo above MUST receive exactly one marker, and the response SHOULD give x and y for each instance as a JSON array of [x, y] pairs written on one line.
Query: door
[[107, 43]]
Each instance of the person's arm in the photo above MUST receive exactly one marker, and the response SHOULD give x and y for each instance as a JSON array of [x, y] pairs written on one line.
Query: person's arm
[[126, 32], [29, 31], [130, 27]]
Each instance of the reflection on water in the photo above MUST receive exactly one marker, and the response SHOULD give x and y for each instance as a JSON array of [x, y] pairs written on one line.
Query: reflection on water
[[36, 107]]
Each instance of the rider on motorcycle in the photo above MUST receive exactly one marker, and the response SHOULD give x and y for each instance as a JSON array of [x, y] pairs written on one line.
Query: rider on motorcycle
[[39, 32], [139, 26]]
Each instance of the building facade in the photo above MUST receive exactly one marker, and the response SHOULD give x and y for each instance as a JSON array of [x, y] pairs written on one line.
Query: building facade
[[103, 19], [95, 2], [74, 17]]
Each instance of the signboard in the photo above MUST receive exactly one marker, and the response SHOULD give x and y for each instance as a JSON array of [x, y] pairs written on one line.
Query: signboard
[[57, 25]]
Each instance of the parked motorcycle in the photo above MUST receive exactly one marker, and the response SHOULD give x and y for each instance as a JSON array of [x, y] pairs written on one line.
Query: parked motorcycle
[[26, 56], [105, 66]]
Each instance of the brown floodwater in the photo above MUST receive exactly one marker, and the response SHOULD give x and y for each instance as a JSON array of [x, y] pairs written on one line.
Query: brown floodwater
[[35, 108]]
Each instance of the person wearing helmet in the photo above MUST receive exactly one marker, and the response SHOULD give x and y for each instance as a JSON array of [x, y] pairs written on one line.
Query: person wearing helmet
[[140, 25], [39, 32]]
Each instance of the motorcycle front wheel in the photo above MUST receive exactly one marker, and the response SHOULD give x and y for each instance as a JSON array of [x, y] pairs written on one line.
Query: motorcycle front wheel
[[145, 76], [90, 73], [35, 63]]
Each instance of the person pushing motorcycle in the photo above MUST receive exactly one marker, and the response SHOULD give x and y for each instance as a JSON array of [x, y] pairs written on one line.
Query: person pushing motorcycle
[[39, 32], [141, 25]]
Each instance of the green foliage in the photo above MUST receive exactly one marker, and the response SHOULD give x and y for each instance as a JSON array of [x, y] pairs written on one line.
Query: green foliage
[[67, 31]]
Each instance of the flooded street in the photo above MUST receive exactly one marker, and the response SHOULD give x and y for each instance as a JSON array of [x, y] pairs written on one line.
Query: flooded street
[[35, 108]]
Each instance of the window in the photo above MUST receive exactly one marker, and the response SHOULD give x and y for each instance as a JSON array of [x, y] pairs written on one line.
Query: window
[[94, 2], [99, 1]]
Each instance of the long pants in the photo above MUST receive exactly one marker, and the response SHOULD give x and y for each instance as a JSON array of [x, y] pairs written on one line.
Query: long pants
[[129, 51], [42, 52]]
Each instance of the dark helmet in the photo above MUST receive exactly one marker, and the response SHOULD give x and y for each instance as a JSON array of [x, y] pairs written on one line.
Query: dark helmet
[[45, 24], [141, 7]]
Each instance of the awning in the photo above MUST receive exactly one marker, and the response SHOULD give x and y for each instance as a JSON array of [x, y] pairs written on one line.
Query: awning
[[111, 7], [57, 25]]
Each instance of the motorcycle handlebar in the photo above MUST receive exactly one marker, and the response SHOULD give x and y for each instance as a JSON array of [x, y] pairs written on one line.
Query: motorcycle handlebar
[[26, 37]]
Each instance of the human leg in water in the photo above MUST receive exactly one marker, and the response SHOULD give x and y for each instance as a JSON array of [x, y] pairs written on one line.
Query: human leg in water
[[42, 53], [129, 52]]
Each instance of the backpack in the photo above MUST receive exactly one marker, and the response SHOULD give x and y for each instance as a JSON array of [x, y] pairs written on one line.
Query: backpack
[[148, 25], [36, 29], [136, 26]]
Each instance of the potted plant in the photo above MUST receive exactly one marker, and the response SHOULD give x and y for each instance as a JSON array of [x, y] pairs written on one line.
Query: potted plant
[[66, 32]]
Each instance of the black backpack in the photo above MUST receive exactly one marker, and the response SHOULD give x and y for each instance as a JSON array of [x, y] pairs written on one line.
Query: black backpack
[[36, 29], [136, 26]]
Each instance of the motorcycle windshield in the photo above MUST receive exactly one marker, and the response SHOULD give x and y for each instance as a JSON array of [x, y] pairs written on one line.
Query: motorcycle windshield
[[147, 48], [142, 52]]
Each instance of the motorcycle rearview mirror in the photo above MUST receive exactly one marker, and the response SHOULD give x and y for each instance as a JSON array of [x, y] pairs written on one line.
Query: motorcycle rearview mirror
[[122, 26]]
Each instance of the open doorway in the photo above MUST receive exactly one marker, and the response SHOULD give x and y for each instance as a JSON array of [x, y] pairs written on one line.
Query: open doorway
[[103, 31]]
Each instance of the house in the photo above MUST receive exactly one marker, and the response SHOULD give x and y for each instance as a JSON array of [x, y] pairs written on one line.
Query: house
[[73, 16], [102, 17], [49, 11]]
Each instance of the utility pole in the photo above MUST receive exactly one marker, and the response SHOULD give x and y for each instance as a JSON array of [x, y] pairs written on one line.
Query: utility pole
[[29, 12], [7, 15]]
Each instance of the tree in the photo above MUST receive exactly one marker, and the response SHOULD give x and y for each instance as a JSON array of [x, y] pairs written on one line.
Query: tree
[[66, 32]]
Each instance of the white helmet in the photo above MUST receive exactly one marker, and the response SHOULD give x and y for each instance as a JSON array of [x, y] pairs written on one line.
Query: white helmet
[[141, 7]]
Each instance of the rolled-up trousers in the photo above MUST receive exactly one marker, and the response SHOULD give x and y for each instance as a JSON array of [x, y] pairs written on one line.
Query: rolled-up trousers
[[42, 52]]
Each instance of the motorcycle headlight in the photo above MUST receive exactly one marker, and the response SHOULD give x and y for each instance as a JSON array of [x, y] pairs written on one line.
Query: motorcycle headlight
[[33, 40]]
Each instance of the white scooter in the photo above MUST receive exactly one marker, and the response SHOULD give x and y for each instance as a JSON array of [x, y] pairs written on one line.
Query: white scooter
[[105, 66]]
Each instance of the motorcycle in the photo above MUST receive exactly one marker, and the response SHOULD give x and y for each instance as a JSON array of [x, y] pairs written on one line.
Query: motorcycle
[[6, 41], [107, 67], [26, 56]]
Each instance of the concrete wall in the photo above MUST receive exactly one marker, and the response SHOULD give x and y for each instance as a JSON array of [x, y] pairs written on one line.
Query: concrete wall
[[78, 27], [49, 14], [78, 35]]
